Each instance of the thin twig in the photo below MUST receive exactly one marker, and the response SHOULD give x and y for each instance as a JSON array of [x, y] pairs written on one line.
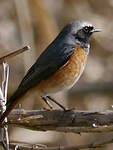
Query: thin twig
[[5, 80], [2, 138], [13, 53], [6, 136], [3, 101], [4, 91]]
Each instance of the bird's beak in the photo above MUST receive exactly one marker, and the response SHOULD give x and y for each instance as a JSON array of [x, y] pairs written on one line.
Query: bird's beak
[[96, 30]]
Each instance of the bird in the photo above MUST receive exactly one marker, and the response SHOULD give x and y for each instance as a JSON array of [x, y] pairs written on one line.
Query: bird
[[59, 66]]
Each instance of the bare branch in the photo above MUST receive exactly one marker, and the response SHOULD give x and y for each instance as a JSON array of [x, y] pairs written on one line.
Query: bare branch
[[13, 53], [57, 120]]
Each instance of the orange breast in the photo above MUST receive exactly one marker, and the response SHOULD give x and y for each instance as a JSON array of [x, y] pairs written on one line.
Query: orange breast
[[67, 75]]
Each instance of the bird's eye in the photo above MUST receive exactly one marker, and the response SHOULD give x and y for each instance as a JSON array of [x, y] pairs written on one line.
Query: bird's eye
[[87, 29]]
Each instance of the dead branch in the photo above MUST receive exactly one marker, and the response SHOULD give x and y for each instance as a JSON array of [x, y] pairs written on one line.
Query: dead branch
[[58, 120], [8, 55]]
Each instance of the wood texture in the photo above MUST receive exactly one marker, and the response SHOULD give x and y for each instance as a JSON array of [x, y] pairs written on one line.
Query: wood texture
[[57, 120]]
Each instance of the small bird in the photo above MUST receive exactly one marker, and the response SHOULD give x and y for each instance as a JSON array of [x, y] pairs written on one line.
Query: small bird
[[59, 67]]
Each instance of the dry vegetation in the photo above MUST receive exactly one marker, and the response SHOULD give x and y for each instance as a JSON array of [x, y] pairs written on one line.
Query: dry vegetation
[[36, 23]]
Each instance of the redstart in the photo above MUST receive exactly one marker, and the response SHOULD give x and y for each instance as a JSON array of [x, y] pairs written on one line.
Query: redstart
[[59, 67]]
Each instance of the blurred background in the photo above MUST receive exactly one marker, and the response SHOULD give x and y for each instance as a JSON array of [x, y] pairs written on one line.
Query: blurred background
[[37, 23]]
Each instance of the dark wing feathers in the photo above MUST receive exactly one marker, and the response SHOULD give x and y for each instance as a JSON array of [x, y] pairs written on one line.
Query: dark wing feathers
[[46, 65]]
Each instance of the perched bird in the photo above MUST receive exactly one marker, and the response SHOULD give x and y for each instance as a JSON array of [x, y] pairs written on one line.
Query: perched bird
[[59, 67]]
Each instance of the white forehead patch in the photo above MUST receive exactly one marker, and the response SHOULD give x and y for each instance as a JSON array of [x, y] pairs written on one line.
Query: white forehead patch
[[86, 24]]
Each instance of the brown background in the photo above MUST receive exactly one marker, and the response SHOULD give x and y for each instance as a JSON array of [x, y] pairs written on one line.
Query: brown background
[[36, 23]]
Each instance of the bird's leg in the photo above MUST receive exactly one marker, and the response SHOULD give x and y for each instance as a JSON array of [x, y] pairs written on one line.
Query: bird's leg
[[56, 103], [47, 102]]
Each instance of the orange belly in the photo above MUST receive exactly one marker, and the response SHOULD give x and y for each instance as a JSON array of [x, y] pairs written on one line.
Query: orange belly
[[66, 76]]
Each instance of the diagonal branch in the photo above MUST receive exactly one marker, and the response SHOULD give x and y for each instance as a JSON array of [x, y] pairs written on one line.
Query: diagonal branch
[[58, 120], [8, 55]]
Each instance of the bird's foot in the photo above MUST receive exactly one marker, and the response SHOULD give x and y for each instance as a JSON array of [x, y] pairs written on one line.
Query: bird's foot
[[71, 109], [44, 108], [47, 102], [61, 106], [51, 107]]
